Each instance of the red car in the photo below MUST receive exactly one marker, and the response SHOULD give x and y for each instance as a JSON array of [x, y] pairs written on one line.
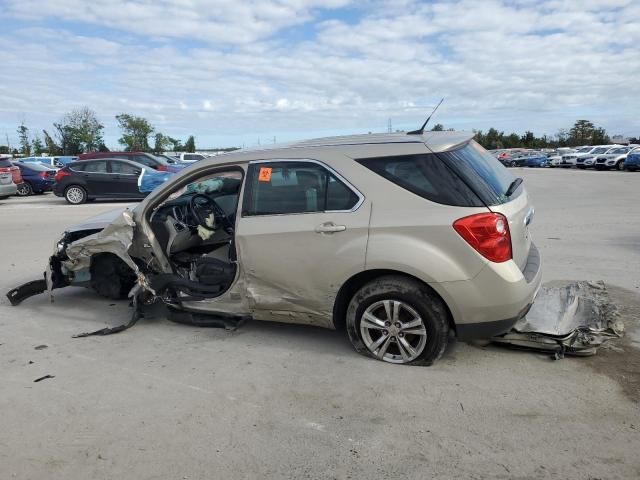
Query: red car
[[10, 177]]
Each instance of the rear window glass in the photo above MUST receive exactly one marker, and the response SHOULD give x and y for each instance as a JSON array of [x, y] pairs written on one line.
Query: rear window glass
[[37, 167], [466, 177], [5, 163]]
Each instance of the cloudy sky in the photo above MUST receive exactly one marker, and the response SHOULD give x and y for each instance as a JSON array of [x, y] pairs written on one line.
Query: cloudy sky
[[237, 72]]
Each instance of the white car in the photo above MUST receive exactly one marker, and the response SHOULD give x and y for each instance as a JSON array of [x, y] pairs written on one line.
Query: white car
[[191, 157], [556, 159], [589, 160], [612, 158], [571, 159]]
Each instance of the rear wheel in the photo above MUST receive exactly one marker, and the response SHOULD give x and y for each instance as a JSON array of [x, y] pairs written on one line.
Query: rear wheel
[[398, 320], [24, 190], [75, 194], [513, 163], [620, 166]]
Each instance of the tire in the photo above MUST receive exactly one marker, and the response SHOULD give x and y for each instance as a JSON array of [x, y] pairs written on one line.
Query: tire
[[24, 190], [415, 303], [513, 164], [111, 277], [75, 194], [620, 166]]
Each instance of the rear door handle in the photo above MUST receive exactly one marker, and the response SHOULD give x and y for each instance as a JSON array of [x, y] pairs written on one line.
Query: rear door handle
[[330, 227]]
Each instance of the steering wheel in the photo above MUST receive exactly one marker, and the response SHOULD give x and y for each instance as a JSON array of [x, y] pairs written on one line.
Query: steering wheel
[[202, 207]]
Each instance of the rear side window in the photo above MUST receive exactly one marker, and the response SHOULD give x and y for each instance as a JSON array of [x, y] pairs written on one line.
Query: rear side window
[[144, 160], [425, 175], [96, 167], [295, 187], [123, 168], [468, 176]]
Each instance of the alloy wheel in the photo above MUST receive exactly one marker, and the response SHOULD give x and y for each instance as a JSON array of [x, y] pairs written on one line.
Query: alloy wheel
[[24, 190], [393, 331], [75, 195]]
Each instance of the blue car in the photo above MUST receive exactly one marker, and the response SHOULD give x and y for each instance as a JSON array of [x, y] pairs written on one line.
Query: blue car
[[537, 161], [632, 162], [36, 178]]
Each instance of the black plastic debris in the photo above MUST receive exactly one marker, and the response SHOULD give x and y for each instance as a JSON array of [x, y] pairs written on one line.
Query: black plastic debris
[[40, 347], [43, 378], [567, 318]]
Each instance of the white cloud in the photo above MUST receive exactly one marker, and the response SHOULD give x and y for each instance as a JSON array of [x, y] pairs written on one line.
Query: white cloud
[[517, 65]]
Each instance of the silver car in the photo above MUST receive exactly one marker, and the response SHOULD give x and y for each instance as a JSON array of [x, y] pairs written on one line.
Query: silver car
[[7, 186], [399, 239]]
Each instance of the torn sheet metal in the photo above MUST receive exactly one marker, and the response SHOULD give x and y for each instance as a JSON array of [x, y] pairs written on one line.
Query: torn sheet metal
[[115, 238], [567, 318]]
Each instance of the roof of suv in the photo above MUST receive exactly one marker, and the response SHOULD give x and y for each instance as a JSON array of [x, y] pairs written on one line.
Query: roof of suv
[[436, 141]]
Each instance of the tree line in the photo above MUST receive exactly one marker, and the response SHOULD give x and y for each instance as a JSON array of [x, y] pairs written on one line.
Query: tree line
[[583, 132], [79, 131]]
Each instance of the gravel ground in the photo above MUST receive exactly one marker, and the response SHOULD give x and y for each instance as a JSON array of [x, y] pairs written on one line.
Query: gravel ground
[[169, 401]]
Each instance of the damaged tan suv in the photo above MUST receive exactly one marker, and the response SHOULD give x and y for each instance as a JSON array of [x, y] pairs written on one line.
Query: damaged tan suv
[[399, 239]]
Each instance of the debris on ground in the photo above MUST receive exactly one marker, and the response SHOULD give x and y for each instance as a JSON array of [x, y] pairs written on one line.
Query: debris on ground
[[43, 378], [567, 318], [41, 347]]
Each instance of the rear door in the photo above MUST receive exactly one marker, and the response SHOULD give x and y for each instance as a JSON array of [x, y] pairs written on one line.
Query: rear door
[[303, 231], [125, 178], [97, 177]]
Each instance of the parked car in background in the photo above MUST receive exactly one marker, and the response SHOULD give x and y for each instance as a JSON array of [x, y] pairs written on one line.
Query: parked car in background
[[101, 178], [143, 158], [9, 178], [612, 158], [555, 158], [589, 160], [64, 159], [191, 157], [537, 160], [569, 159], [50, 162], [36, 178], [632, 162]]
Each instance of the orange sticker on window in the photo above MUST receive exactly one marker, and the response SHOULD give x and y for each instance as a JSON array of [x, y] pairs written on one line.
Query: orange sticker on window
[[265, 174]]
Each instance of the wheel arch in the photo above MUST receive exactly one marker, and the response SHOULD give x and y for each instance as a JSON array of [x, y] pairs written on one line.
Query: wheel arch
[[357, 281]]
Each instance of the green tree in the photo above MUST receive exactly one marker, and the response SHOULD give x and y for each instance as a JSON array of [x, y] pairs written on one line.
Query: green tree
[[51, 145], [25, 141], [190, 144], [37, 147], [438, 127], [4, 149], [581, 133], [600, 137], [162, 143], [79, 131], [176, 144], [135, 132]]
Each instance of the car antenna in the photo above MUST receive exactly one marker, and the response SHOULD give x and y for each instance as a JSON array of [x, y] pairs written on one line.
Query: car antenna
[[421, 130]]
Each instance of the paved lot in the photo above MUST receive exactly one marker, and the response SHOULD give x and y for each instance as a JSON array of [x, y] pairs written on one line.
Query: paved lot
[[169, 401]]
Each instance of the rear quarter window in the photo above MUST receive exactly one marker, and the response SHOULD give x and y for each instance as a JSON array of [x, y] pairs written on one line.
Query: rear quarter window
[[467, 176], [425, 175]]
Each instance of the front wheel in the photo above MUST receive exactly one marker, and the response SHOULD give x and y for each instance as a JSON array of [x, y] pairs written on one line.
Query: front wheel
[[24, 190], [75, 195], [513, 164], [398, 320], [620, 166]]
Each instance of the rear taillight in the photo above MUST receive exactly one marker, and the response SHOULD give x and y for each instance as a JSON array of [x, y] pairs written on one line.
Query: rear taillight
[[42, 174], [60, 175], [488, 234], [162, 168]]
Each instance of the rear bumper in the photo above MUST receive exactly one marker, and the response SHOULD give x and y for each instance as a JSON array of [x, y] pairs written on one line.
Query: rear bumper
[[493, 301], [7, 190]]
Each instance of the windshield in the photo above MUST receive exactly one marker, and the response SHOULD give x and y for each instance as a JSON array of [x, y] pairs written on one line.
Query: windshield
[[583, 149], [600, 150]]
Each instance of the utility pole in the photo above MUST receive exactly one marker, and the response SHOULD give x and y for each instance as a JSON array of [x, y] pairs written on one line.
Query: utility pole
[[389, 126]]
